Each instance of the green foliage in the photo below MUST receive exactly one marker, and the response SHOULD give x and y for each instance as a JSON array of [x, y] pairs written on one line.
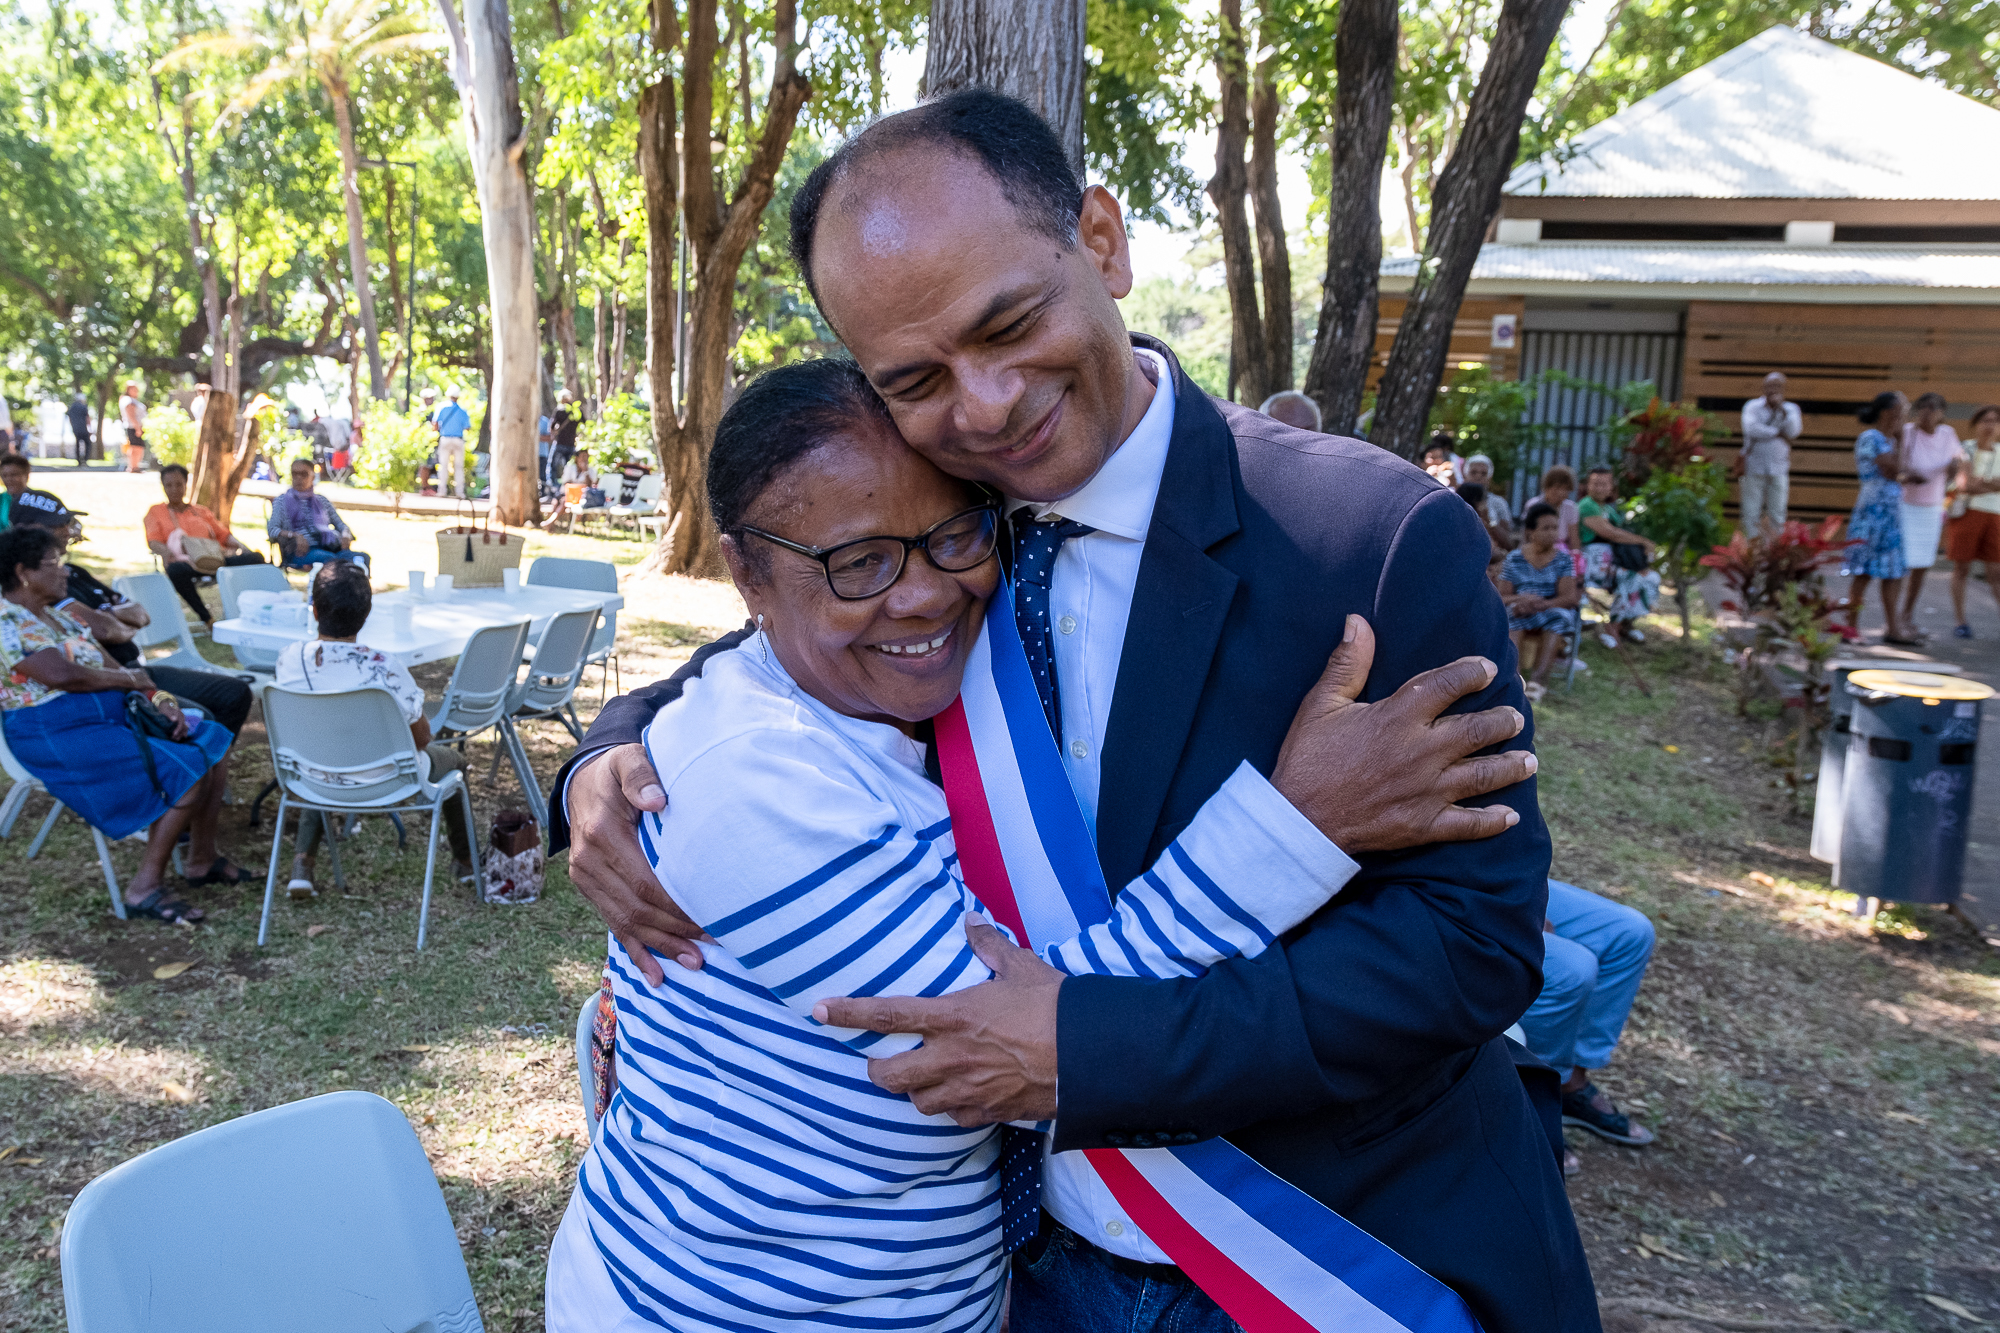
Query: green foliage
[[622, 432], [1485, 416], [1192, 320], [393, 446], [1137, 95], [171, 434]]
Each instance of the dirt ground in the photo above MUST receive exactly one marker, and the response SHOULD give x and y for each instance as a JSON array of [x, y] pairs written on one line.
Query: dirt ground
[[1825, 1093]]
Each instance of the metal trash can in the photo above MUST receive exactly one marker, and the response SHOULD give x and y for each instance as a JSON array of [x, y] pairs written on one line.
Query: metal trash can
[[1907, 785], [1833, 750]]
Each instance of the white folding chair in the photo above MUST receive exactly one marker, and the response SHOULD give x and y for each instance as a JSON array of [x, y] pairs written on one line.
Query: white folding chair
[[320, 1216], [26, 784], [586, 1024], [547, 692], [644, 503], [169, 624], [350, 753], [232, 581], [552, 571]]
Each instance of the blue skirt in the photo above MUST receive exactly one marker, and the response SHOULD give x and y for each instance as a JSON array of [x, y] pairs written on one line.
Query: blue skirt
[[87, 755]]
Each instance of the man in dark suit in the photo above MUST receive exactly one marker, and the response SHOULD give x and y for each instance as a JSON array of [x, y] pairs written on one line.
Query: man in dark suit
[[1205, 560]]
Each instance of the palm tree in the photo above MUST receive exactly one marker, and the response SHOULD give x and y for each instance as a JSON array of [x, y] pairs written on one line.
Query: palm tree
[[328, 41]]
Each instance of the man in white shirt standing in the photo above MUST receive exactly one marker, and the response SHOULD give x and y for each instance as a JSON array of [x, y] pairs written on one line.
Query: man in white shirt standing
[[132, 414], [1770, 425]]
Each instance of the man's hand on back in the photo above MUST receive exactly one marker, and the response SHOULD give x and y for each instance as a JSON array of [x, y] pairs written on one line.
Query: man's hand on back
[[1388, 775], [609, 868]]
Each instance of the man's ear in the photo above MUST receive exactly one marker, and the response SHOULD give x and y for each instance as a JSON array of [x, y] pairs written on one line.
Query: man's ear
[[1100, 229]]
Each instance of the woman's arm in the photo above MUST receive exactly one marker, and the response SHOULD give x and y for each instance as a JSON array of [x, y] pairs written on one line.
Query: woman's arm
[[52, 667], [1611, 532]]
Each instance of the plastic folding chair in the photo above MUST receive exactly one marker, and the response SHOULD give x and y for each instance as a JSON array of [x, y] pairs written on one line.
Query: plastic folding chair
[[547, 692], [351, 753], [232, 581], [551, 571], [586, 1024], [26, 784], [644, 503], [169, 625], [321, 1216]]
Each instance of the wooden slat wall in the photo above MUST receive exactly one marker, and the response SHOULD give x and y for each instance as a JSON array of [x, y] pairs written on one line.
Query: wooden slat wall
[[1471, 336], [1837, 358]]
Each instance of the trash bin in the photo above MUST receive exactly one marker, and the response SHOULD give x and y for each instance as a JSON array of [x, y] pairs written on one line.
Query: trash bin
[[1907, 785], [1833, 750]]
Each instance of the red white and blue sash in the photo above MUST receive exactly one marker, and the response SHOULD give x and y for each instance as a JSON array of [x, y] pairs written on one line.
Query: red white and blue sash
[[1274, 1258]]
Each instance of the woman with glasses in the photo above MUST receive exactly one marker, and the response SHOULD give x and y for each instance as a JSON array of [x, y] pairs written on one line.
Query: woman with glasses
[[746, 1173]]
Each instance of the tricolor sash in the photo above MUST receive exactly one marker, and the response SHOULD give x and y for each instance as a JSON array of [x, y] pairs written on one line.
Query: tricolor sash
[[1273, 1257]]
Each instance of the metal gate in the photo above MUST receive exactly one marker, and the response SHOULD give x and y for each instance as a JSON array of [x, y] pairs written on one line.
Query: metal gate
[[1568, 420]]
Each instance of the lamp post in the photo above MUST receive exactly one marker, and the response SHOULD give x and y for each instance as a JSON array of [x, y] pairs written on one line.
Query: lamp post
[[410, 305]]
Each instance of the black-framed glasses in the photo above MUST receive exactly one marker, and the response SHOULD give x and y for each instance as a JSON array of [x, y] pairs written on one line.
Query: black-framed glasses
[[869, 566]]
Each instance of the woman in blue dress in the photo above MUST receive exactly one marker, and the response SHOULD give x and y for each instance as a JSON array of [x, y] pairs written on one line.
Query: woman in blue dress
[[1876, 526], [1538, 585]]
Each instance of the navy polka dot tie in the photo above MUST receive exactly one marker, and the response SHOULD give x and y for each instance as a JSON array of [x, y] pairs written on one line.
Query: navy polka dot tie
[[1035, 547]]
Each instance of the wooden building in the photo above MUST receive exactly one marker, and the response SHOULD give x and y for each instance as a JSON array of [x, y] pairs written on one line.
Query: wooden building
[[1789, 206]]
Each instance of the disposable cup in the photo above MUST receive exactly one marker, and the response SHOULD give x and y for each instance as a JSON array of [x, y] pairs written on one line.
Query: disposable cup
[[442, 584], [403, 619], [510, 579], [417, 583]]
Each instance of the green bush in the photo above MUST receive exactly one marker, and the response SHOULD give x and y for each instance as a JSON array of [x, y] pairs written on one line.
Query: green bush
[[1485, 416], [170, 433], [622, 432], [393, 446], [1682, 511]]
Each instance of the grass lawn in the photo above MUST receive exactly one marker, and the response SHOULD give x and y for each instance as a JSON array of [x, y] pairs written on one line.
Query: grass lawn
[[1825, 1095]]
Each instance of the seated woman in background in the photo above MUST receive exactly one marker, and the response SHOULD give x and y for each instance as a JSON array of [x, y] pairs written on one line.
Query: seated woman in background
[[1633, 591], [1540, 591], [341, 601], [64, 717], [168, 527]]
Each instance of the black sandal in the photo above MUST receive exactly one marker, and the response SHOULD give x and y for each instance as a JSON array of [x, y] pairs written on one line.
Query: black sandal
[[160, 908], [220, 871]]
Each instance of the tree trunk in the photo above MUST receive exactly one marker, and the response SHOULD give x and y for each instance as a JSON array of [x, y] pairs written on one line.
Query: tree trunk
[[489, 93], [1228, 189], [1468, 192], [1274, 258], [565, 321], [395, 269], [1364, 100], [660, 176], [719, 235], [357, 239], [1029, 49]]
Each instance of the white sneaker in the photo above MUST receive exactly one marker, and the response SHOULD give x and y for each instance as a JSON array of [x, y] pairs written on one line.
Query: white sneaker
[[1609, 640], [301, 890], [1635, 634]]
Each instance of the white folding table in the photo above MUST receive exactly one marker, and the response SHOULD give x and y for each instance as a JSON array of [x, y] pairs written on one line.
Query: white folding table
[[440, 624]]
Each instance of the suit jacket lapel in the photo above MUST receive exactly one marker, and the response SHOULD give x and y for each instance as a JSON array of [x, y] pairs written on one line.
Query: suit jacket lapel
[[1178, 608]]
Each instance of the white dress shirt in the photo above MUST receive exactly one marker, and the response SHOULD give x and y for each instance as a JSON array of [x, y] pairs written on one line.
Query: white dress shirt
[[1090, 601], [1767, 437]]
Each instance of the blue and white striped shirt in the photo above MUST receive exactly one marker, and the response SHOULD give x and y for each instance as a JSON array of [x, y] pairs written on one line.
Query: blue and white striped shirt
[[748, 1175]]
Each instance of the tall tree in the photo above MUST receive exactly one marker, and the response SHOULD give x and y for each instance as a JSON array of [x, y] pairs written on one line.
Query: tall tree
[[482, 66], [1261, 332], [721, 223], [1364, 96], [328, 42], [1468, 193], [1029, 49]]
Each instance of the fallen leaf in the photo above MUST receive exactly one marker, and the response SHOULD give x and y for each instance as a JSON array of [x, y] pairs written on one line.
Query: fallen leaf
[[174, 1092], [1906, 1117], [1759, 877], [27, 1161], [168, 971], [534, 1057], [1644, 1253], [1953, 1307], [1719, 1201], [1659, 1247], [5, 1153], [414, 1050], [312, 931], [1671, 749]]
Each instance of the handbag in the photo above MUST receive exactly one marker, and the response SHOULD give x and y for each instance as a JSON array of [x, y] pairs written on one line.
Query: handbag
[[148, 724], [476, 556], [204, 553], [1629, 555], [515, 862]]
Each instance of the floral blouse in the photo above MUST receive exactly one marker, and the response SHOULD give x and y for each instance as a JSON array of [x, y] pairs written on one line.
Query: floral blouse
[[22, 635]]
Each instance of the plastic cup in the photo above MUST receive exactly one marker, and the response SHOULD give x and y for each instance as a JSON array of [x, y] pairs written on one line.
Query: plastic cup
[[443, 585], [417, 583], [402, 619], [510, 579]]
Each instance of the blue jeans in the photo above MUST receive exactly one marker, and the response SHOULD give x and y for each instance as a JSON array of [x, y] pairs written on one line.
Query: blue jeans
[[1071, 1286], [1591, 969], [319, 555]]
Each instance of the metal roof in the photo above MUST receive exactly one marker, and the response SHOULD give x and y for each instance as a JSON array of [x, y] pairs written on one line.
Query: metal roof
[[1727, 264], [1783, 116]]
